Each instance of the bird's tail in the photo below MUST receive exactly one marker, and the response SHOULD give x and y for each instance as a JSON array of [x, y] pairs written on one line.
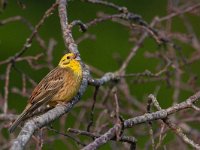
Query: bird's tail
[[21, 117]]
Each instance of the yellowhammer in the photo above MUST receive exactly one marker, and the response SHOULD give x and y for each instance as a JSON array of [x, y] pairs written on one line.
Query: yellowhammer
[[59, 85]]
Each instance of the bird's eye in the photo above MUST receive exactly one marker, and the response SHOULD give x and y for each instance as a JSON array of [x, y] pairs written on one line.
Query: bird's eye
[[68, 57]]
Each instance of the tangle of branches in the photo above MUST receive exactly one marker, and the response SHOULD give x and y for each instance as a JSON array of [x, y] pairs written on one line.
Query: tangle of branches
[[113, 116]]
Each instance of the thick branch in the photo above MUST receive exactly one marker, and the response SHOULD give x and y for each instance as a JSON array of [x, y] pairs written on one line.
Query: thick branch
[[66, 28], [162, 114], [40, 121], [104, 79]]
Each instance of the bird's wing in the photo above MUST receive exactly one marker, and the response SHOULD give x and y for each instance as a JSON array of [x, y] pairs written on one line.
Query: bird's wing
[[42, 94], [48, 87]]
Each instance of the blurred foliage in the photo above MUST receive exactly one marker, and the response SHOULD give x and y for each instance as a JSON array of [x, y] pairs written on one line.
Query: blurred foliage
[[111, 40]]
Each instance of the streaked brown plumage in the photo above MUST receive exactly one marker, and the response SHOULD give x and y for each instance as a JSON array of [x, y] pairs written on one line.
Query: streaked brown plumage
[[59, 85]]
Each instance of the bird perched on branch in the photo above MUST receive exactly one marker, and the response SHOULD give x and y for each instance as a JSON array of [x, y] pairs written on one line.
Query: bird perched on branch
[[58, 86]]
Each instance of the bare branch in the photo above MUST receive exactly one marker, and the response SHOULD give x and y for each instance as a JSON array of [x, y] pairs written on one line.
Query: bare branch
[[5, 107], [40, 121], [161, 114]]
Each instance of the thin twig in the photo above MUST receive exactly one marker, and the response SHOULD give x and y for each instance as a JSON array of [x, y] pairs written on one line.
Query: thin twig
[[150, 125], [92, 109], [174, 127], [30, 38], [109, 4], [118, 120], [5, 106], [66, 135]]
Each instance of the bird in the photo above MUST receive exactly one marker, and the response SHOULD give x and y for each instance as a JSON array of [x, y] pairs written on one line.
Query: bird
[[60, 85]]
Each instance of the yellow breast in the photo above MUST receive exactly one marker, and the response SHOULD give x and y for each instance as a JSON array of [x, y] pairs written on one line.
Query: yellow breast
[[71, 85]]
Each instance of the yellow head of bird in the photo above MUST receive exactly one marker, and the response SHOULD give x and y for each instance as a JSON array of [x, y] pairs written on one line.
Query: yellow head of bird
[[70, 60], [66, 60]]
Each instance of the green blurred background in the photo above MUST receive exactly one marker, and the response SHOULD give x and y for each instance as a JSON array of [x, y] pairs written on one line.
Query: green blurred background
[[111, 39]]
